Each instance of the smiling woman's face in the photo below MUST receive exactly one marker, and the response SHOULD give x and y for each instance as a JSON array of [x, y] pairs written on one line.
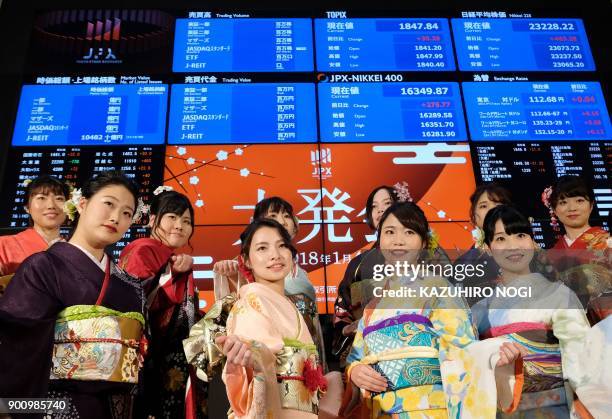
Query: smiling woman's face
[[512, 252], [269, 257], [173, 230], [399, 242], [574, 212], [47, 209]]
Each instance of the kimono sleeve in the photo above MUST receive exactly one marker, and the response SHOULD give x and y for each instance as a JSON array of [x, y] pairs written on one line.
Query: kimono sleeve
[[141, 261], [571, 327], [595, 393], [352, 404], [451, 318], [246, 388], [358, 350], [343, 304], [28, 311]]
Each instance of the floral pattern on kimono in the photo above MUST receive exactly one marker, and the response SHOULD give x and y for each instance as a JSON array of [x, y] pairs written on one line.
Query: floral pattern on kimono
[[170, 387], [585, 266], [552, 327], [267, 320], [447, 321]]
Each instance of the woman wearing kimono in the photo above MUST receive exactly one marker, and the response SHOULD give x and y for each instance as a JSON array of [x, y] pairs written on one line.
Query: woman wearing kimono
[[595, 393], [71, 322], [347, 307], [171, 390], [407, 359], [548, 326], [298, 287], [485, 197], [582, 254], [272, 366], [45, 197]]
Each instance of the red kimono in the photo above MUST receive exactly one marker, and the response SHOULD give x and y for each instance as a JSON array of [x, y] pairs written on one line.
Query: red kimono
[[585, 267], [170, 383]]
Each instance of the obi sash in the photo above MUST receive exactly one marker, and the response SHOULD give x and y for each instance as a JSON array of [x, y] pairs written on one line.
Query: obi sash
[[404, 351], [543, 383], [96, 343], [299, 376], [93, 342]]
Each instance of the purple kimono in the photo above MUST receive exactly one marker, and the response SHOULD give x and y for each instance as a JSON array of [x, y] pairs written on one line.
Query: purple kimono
[[70, 330]]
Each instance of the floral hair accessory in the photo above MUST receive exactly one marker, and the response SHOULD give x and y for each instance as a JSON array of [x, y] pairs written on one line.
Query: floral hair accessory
[[402, 191], [434, 242], [161, 189], [141, 209], [70, 206], [554, 222], [244, 270], [26, 182], [478, 236]]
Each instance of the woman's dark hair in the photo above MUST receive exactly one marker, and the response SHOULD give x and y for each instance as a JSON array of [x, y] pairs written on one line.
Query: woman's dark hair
[[370, 203], [46, 184], [171, 202], [496, 193], [109, 178], [514, 222], [274, 204], [410, 216], [247, 235], [570, 187]]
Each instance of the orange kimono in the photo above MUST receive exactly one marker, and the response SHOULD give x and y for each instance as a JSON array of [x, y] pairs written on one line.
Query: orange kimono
[[283, 350], [15, 249]]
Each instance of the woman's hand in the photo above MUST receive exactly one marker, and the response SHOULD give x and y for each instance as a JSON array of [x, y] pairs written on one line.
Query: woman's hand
[[366, 378], [226, 267], [236, 351], [510, 352], [182, 263], [350, 328]]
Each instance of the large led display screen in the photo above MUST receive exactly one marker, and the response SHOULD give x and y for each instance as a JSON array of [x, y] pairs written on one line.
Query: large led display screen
[[231, 105]]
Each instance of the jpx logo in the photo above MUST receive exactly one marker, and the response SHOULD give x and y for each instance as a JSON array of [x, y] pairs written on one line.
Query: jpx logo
[[336, 15], [323, 157], [318, 159]]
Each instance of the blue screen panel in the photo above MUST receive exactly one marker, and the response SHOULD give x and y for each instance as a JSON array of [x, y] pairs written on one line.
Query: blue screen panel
[[255, 45], [522, 44], [121, 114], [536, 111], [242, 113], [383, 45], [370, 112]]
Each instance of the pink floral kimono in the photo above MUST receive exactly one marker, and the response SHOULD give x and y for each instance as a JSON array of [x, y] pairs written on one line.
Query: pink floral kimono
[[287, 381]]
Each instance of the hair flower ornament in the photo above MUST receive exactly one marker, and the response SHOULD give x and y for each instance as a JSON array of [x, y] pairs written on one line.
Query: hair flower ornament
[[554, 222], [402, 191], [141, 210], [70, 206], [434, 242], [478, 236], [161, 189]]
